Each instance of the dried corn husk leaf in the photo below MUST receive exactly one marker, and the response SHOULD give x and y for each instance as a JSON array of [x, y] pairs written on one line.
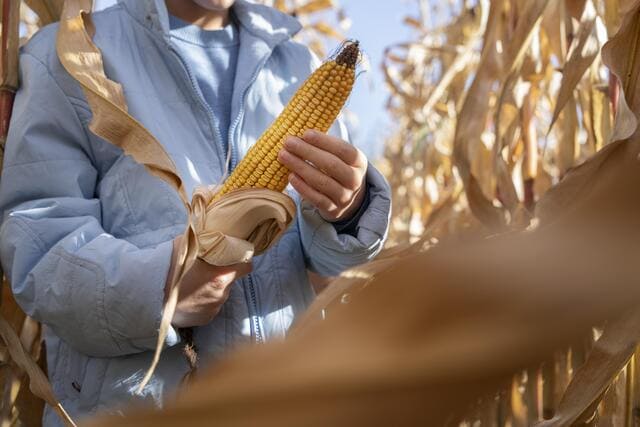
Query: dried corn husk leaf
[[471, 123], [47, 10], [523, 36], [528, 22], [483, 311], [622, 55], [10, 19], [607, 359], [582, 53], [314, 6], [327, 30], [462, 60], [575, 8], [600, 117], [575, 185], [413, 22], [529, 138], [506, 189], [554, 31], [39, 384], [9, 48], [567, 137], [281, 5], [612, 16]]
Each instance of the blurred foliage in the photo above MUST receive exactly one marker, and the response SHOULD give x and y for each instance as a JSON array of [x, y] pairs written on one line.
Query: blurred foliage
[[496, 101], [475, 94]]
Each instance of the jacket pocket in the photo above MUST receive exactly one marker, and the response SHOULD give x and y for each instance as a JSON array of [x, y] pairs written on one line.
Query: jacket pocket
[[92, 383], [74, 372]]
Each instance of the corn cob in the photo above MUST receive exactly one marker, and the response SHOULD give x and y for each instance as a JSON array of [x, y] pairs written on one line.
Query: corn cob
[[314, 106]]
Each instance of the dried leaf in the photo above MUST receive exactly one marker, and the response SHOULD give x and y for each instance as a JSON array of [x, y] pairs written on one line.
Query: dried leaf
[[567, 141], [554, 32], [520, 41], [413, 22], [506, 189], [523, 35], [39, 384], [473, 313], [582, 53], [601, 117], [471, 122], [529, 138], [281, 5], [314, 6], [10, 43], [607, 359], [327, 30], [575, 8], [47, 10], [612, 16], [622, 55]]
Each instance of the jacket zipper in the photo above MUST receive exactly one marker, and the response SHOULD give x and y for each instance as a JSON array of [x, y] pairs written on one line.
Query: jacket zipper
[[213, 124], [255, 319], [236, 122]]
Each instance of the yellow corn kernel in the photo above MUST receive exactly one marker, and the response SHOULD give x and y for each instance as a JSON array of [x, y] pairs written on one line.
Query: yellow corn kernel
[[314, 106]]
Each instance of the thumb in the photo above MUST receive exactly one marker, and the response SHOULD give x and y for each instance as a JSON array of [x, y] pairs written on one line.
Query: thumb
[[244, 268]]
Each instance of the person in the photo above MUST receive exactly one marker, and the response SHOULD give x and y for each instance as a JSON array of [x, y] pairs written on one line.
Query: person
[[88, 234]]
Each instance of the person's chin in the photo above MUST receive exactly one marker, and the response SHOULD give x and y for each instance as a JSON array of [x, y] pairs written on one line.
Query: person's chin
[[215, 5]]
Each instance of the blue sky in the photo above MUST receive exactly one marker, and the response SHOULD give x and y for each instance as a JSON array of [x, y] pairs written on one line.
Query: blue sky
[[377, 24]]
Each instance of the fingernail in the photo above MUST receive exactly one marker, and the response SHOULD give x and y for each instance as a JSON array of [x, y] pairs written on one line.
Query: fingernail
[[282, 154], [290, 141], [311, 133]]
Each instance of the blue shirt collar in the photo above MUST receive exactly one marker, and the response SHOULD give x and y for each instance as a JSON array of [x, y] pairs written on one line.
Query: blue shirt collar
[[187, 32]]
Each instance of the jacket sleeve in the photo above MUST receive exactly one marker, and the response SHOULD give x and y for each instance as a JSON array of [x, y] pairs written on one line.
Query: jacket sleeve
[[100, 294], [328, 252]]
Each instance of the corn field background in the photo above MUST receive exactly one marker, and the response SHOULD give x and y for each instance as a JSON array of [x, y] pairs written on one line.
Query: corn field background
[[495, 102]]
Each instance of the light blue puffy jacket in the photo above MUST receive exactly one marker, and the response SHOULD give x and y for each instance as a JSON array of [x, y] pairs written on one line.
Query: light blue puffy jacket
[[87, 233]]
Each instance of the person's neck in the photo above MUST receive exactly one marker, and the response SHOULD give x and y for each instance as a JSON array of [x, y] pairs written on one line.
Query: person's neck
[[191, 12]]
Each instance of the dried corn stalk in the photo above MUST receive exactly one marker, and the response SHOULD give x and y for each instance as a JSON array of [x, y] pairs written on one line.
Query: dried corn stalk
[[505, 98], [475, 96]]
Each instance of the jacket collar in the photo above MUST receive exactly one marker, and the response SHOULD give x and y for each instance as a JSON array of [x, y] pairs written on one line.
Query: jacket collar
[[265, 23], [261, 30]]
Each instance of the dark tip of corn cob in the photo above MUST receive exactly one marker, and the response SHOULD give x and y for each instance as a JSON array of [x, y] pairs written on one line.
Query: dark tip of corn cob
[[349, 54]]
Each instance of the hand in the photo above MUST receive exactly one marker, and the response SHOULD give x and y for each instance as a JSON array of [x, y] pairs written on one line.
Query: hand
[[326, 171], [203, 290]]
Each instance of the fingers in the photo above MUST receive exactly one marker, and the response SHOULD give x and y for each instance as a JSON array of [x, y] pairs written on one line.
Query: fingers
[[336, 146], [243, 269], [312, 195], [204, 290], [316, 179], [327, 172], [324, 160]]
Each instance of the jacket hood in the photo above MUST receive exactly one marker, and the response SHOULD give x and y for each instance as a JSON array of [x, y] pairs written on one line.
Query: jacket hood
[[264, 22]]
